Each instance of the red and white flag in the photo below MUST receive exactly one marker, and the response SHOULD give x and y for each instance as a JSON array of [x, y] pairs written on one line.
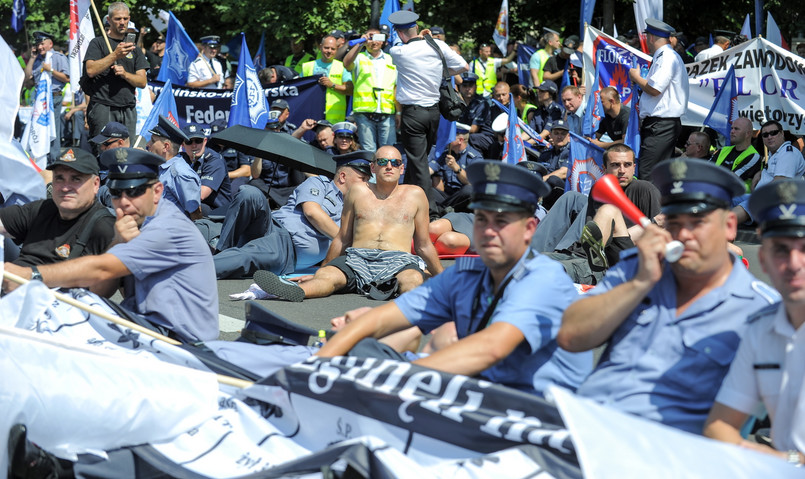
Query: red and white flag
[[644, 9], [81, 32], [501, 34]]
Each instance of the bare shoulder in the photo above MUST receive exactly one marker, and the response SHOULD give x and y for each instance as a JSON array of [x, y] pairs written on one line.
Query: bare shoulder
[[412, 192]]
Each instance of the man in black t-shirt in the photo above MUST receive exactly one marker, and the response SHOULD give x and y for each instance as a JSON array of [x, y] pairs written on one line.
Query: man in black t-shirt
[[615, 120], [110, 78], [51, 230]]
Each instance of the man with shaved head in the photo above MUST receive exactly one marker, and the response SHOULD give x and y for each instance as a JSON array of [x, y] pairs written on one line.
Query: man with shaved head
[[740, 157]]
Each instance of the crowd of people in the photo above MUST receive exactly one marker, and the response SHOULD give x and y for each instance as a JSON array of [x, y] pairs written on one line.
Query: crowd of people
[[695, 344]]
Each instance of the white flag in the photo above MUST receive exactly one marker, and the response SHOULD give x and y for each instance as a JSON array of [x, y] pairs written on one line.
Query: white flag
[[20, 182], [501, 34], [144, 106], [10, 94], [81, 32], [42, 128]]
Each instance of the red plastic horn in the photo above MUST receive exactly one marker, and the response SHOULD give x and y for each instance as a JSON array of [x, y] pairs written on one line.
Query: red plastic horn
[[608, 190]]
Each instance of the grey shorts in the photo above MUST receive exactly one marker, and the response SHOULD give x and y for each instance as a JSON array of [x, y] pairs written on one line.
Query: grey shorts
[[361, 272]]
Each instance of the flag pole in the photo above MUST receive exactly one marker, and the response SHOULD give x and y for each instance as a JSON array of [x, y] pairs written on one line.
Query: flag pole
[[228, 380], [100, 24]]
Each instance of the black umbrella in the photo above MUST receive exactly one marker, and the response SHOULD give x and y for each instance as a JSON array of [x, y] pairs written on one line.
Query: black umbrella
[[278, 147]]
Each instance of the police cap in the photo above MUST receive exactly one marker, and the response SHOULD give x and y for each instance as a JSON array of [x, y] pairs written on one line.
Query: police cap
[[360, 160], [194, 131], [469, 77], [218, 125], [693, 186], [658, 28], [39, 36], [534, 167], [548, 85], [280, 104], [437, 31], [498, 186], [403, 19], [130, 167], [77, 159], [112, 129], [345, 127], [462, 128], [166, 129], [779, 208], [211, 40]]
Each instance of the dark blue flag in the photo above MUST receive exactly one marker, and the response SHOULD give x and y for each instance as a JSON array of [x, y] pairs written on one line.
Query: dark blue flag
[[390, 7], [180, 52], [594, 110], [249, 105], [723, 111], [587, 7], [18, 15], [586, 164], [164, 105], [260, 57], [524, 53]]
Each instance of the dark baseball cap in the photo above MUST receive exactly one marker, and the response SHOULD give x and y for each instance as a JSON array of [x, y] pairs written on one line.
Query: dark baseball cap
[[77, 159], [112, 129]]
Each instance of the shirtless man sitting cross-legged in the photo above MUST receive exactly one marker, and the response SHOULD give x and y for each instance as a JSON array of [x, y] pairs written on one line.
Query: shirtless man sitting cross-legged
[[372, 247]]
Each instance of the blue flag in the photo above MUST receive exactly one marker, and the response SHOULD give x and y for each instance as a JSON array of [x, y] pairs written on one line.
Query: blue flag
[[18, 15], [523, 125], [513, 148], [587, 7], [260, 57], [632, 135], [524, 53], [758, 16], [565, 76], [710, 40], [723, 111], [249, 105], [586, 164], [390, 7], [446, 133], [746, 29], [594, 110], [164, 105], [180, 52]]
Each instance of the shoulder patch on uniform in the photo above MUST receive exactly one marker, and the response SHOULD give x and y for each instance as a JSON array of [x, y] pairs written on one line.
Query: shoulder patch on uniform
[[315, 191], [471, 154], [767, 292], [765, 312], [467, 263], [789, 148]]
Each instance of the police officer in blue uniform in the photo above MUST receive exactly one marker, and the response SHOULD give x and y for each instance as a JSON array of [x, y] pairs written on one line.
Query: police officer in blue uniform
[[451, 186], [182, 184], [238, 164], [296, 236], [216, 190], [166, 267], [506, 304], [769, 368], [670, 329], [477, 115]]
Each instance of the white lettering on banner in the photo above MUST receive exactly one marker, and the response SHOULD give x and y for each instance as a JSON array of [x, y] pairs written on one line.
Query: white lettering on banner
[[282, 90], [207, 116]]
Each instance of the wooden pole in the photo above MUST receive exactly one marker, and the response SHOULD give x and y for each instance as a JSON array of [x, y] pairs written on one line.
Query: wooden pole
[[228, 380], [100, 23]]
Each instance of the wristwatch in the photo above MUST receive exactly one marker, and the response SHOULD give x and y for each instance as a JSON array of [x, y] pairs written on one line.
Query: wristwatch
[[35, 274], [794, 457]]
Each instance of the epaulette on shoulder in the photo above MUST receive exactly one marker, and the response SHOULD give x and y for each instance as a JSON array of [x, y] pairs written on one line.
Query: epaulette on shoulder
[[766, 312], [469, 263], [767, 292]]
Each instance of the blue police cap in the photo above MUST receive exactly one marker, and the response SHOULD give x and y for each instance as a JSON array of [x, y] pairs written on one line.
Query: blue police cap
[[548, 85], [168, 130], [779, 208], [218, 125], [469, 77], [559, 125], [360, 160], [112, 129], [462, 128], [194, 131], [692, 186], [130, 167], [437, 30], [658, 28], [211, 40], [39, 36], [280, 104], [345, 127], [534, 167], [498, 186], [403, 19]]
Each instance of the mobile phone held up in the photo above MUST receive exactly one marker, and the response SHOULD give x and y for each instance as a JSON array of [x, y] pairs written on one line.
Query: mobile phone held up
[[130, 38]]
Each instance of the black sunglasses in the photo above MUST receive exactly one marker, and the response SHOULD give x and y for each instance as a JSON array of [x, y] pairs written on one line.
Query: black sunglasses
[[134, 192], [344, 135], [195, 141], [109, 142], [770, 133], [384, 161]]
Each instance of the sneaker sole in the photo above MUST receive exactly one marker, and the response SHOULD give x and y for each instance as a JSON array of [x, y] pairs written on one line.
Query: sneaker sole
[[591, 237], [273, 284]]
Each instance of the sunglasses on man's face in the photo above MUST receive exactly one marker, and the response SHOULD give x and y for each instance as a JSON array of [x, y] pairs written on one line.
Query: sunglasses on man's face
[[134, 192], [195, 141], [109, 143], [770, 133], [385, 161], [344, 136]]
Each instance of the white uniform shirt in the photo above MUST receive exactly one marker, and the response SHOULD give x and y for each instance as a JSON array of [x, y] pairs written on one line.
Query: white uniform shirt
[[200, 70], [708, 53], [769, 368], [419, 71], [786, 161], [667, 75]]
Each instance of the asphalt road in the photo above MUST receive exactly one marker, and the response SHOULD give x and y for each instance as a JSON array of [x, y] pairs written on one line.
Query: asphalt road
[[316, 313]]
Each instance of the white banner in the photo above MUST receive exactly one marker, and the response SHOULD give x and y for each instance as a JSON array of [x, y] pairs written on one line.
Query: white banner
[[81, 32], [144, 106], [42, 128], [9, 97], [771, 85]]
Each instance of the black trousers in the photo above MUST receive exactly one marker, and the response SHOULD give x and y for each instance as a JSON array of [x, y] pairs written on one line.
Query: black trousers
[[418, 127], [657, 140]]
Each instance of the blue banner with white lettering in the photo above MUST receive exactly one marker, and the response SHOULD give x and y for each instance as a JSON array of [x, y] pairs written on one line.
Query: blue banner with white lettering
[[304, 95]]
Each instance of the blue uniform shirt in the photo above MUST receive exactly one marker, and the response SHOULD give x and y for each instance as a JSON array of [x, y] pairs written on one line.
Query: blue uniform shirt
[[182, 185], [449, 177], [59, 63], [546, 115], [556, 158], [173, 280], [309, 244], [533, 301], [211, 170], [665, 367]]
